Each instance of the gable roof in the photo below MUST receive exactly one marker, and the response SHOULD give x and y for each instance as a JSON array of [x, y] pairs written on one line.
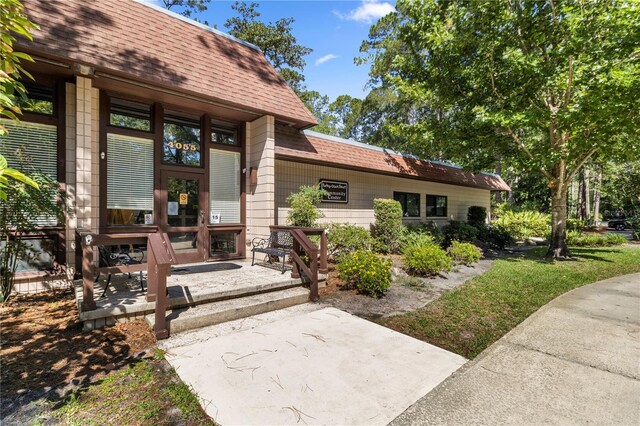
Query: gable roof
[[317, 148], [150, 44]]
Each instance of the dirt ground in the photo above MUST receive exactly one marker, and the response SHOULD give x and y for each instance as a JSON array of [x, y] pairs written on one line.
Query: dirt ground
[[405, 294], [44, 352]]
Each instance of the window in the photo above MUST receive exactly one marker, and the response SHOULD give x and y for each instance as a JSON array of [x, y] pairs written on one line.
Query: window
[[224, 243], [181, 140], [224, 137], [224, 186], [436, 206], [129, 180], [130, 115], [410, 203], [31, 148], [39, 99]]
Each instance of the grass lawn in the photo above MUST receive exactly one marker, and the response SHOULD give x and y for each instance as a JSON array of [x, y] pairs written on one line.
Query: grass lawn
[[469, 319], [145, 392]]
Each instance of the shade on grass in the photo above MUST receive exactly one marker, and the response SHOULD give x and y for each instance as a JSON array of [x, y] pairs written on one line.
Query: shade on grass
[[469, 319]]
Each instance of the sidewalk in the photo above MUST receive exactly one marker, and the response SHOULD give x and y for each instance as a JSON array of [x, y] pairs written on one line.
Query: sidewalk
[[575, 361]]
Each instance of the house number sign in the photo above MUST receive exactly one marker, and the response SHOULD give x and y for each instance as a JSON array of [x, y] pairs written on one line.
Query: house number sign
[[183, 146], [338, 191]]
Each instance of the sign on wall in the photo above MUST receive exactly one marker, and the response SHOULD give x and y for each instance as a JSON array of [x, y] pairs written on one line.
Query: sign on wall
[[338, 191]]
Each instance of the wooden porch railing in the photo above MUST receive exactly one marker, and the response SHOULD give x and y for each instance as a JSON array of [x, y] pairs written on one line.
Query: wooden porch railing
[[88, 241], [160, 257], [317, 255]]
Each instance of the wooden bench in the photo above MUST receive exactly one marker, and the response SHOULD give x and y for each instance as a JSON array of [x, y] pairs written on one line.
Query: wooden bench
[[279, 244]]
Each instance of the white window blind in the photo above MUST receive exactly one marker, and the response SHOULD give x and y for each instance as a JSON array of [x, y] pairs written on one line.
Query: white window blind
[[30, 148], [129, 173], [224, 185]]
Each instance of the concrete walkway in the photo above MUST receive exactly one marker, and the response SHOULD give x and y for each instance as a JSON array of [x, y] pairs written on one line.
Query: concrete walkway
[[306, 365], [575, 361]]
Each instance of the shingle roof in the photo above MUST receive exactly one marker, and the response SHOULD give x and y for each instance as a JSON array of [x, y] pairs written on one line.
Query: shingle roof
[[153, 45], [317, 148]]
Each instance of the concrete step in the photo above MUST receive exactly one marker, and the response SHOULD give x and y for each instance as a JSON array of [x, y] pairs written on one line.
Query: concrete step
[[190, 318]]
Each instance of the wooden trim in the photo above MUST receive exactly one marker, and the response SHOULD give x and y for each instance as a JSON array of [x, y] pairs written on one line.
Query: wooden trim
[[103, 115], [294, 159], [242, 135], [124, 130]]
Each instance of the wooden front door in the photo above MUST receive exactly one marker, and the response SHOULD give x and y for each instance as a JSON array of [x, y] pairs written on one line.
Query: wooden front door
[[182, 214]]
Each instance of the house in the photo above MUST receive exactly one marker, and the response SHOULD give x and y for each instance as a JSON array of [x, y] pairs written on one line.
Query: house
[[151, 122]]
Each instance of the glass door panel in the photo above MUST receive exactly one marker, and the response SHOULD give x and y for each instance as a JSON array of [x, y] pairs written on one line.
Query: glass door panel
[[183, 215]]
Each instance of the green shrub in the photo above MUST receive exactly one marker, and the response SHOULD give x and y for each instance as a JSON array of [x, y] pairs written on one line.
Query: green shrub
[[464, 253], [458, 231], [426, 228], [525, 224], [425, 258], [304, 210], [575, 224], [477, 216], [494, 237], [365, 271], [345, 237], [635, 228], [388, 228], [578, 239]]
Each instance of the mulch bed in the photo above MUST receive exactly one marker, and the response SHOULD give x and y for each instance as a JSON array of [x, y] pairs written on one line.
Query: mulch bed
[[43, 347]]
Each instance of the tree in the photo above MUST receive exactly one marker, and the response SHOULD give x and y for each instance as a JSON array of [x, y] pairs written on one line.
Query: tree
[[13, 23], [24, 201], [188, 7], [318, 104], [345, 114], [276, 40], [550, 84]]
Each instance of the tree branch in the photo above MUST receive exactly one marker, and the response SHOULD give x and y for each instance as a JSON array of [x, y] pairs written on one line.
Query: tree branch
[[567, 92], [522, 146], [581, 163]]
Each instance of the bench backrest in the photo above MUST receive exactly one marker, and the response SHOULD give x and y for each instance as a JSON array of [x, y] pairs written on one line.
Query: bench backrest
[[281, 239]]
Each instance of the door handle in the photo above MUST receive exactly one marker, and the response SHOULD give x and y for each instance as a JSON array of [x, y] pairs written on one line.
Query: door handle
[[202, 216]]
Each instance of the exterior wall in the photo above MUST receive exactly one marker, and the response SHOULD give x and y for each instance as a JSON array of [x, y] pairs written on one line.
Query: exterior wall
[[364, 187], [87, 155], [260, 145], [70, 124]]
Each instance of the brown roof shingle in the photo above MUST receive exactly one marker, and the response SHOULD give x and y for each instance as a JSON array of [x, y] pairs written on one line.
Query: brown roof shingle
[[321, 149], [147, 44]]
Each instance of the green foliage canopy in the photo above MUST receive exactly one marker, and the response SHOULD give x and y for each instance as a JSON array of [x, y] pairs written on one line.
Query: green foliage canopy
[[549, 83], [276, 40]]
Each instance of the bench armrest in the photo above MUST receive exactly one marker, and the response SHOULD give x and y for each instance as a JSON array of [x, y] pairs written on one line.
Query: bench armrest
[[260, 242]]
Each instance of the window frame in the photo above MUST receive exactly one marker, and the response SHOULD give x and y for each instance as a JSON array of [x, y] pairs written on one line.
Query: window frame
[[435, 206], [405, 210], [58, 118], [110, 126], [202, 141]]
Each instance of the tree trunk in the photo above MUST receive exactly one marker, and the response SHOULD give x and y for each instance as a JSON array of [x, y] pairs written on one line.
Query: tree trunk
[[499, 199], [596, 198], [580, 211], [558, 245], [587, 193]]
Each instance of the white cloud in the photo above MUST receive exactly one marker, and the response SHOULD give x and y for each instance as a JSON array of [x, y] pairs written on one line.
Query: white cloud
[[368, 11], [325, 58]]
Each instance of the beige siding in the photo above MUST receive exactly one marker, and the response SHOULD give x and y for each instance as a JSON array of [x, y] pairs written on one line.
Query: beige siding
[[70, 185], [87, 154], [364, 187], [260, 157]]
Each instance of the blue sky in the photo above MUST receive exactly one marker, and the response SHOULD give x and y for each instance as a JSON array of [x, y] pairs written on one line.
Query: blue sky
[[333, 29]]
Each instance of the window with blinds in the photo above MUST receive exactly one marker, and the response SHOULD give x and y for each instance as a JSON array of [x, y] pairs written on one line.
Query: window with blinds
[[32, 148], [129, 180], [224, 186]]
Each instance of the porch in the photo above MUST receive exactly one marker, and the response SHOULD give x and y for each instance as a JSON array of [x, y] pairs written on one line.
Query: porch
[[197, 294]]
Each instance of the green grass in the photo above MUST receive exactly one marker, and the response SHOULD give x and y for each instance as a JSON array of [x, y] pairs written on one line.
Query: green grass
[[143, 393], [469, 319]]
